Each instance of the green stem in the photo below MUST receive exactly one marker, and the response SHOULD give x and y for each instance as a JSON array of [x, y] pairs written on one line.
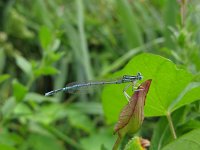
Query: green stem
[[83, 40], [30, 82], [116, 145], [183, 4], [171, 125]]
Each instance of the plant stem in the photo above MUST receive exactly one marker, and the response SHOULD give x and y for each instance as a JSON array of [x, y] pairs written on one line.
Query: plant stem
[[83, 41], [171, 126], [183, 4], [116, 145]]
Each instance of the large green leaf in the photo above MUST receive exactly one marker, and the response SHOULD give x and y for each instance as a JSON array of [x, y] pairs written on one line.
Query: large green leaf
[[171, 87], [190, 141]]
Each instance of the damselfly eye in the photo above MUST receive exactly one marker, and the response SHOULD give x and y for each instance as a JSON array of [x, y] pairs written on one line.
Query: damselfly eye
[[125, 76], [139, 75]]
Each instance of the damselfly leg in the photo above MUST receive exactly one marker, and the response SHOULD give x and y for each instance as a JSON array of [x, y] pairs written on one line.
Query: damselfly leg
[[134, 89]]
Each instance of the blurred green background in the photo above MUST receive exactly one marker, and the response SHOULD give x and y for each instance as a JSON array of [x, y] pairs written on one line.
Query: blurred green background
[[46, 44]]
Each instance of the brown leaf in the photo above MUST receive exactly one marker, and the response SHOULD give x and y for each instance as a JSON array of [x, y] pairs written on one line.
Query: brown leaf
[[132, 115]]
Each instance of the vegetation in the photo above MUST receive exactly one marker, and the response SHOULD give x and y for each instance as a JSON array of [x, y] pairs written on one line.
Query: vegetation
[[45, 45]]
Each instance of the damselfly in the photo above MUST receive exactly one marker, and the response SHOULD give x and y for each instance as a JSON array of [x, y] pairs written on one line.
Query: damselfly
[[76, 86]]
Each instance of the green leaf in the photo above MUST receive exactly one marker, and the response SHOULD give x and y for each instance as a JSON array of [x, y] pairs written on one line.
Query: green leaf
[[6, 147], [9, 138], [8, 107], [188, 95], [17, 25], [43, 142], [80, 120], [19, 90], [47, 114], [23, 64], [34, 97], [168, 84], [45, 71], [189, 141], [2, 57], [45, 37], [22, 109], [162, 134], [98, 140], [188, 126], [90, 108], [56, 44], [159, 135], [4, 77]]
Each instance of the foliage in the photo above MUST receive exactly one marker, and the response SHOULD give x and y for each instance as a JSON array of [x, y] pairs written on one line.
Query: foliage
[[46, 44]]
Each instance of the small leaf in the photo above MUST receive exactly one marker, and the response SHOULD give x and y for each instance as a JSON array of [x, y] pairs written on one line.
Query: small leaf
[[23, 64], [8, 107], [80, 120], [22, 109], [34, 97], [9, 138], [45, 37], [19, 90], [189, 141], [45, 71], [4, 77], [6, 147], [2, 54], [96, 141], [17, 25], [43, 142], [56, 44], [47, 114]]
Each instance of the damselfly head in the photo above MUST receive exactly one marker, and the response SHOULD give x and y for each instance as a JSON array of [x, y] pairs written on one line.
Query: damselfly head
[[139, 76]]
